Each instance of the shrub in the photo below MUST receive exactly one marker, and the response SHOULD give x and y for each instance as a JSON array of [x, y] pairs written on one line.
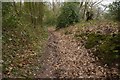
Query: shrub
[[10, 20], [93, 40], [114, 10], [107, 48], [50, 18], [69, 15]]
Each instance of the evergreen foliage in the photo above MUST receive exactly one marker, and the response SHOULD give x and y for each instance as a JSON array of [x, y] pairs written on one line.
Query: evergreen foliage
[[69, 15], [114, 10]]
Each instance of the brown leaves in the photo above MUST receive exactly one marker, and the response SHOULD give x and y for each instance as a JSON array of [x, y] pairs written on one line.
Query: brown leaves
[[21, 52], [72, 59]]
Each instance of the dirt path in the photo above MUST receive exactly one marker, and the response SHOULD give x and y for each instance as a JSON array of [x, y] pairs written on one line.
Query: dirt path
[[65, 57]]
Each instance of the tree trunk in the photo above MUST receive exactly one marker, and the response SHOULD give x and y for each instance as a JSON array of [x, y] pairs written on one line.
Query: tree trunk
[[85, 9], [31, 15]]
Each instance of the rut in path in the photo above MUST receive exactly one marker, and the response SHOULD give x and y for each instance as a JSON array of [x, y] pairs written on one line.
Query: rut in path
[[65, 57]]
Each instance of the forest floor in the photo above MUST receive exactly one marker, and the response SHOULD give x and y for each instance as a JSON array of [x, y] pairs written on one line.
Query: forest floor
[[66, 57], [55, 53]]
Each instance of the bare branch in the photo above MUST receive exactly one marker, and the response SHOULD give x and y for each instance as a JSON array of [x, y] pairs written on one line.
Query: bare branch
[[98, 2]]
